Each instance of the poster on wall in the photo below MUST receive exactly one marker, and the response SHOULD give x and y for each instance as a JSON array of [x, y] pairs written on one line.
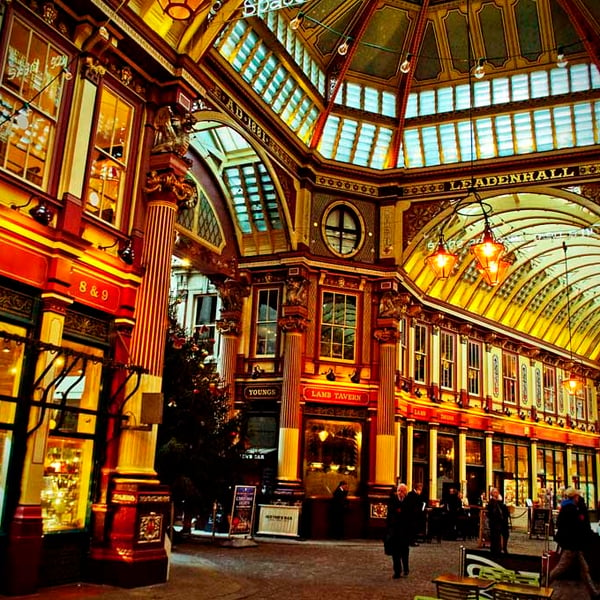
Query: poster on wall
[[242, 512]]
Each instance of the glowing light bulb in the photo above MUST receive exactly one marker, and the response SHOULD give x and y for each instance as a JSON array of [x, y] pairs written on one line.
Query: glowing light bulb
[[561, 59], [479, 71], [406, 66], [343, 48]]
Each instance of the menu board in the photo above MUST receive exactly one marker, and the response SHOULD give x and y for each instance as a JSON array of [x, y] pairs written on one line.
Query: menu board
[[540, 519], [242, 513]]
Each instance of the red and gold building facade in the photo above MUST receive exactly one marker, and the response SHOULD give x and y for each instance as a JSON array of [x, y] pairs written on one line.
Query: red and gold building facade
[[346, 370]]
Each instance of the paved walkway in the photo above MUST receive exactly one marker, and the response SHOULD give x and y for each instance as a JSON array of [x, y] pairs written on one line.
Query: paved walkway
[[304, 570]]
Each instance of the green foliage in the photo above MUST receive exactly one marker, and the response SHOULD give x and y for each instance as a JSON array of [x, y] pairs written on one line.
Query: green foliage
[[199, 448]]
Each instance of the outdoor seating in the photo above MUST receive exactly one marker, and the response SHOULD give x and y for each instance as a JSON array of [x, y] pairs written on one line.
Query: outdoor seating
[[498, 574], [453, 591], [527, 578], [507, 591]]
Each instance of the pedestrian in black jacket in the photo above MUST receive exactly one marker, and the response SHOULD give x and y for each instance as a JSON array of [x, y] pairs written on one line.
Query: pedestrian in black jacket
[[399, 529], [573, 534]]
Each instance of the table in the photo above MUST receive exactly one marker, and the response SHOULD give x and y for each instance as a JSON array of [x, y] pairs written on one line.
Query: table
[[511, 591], [450, 585]]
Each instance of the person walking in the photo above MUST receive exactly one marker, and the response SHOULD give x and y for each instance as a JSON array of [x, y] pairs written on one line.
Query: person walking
[[339, 505], [573, 534], [399, 529], [499, 523]]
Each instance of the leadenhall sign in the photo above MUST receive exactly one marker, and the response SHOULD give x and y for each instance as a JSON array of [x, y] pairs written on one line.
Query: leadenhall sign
[[523, 177]]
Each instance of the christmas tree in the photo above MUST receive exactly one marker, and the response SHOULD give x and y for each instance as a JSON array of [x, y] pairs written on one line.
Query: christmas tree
[[199, 448]]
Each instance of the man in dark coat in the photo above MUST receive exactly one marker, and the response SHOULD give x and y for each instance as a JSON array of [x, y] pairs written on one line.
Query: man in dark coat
[[415, 500], [339, 505], [399, 528], [573, 534], [498, 521]]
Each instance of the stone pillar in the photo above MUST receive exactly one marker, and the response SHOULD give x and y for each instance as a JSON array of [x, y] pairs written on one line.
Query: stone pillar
[[489, 462], [410, 452], [293, 323], [462, 459], [385, 442], [231, 293], [433, 473], [131, 552]]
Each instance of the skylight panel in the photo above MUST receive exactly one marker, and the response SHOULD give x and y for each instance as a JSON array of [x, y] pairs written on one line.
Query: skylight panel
[[561, 116], [412, 106], [580, 78], [559, 81], [500, 90], [388, 104], [595, 76], [482, 95], [519, 87], [504, 135], [463, 97], [540, 84], [544, 137], [465, 140], [523, 133], [431, 145], [329, 136], [284, 93], [449, 143], [381, 147], [584, 124], [412, 148], [364, 144], [346, 140], [352, 95], [371, 102], [485, 138], [445, 99], [427, 103]]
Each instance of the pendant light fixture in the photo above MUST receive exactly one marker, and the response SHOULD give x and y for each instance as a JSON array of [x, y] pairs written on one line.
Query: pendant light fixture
[[489, 253], [573, 383]]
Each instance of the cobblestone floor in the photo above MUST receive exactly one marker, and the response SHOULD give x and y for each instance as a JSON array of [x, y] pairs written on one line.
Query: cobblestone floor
[[303, 570]]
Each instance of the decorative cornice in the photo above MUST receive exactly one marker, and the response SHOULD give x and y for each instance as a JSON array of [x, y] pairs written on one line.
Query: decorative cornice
[[293, 324], [173, 187]]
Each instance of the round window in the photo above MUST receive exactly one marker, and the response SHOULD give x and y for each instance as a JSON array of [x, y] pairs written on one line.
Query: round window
[[342, 230]]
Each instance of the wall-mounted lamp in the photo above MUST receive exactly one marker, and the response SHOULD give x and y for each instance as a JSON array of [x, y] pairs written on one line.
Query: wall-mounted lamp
[[125, 252], [561, 59], [406, 65], [355, 377], [41, 213], [256, 371], [296, 21], [522, 415], [507, 412], [330, 375], [549, 420], [343, 48], [418, 393]]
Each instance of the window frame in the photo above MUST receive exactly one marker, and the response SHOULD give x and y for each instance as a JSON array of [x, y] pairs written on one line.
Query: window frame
[[474, 371], [125, 200], [275, 337], [327, 231], [331, 356], [510, 378], [447, 364], [421, 353]]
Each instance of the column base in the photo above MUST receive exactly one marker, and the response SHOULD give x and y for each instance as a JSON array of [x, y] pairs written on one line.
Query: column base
[[128, 549], [23, 552]]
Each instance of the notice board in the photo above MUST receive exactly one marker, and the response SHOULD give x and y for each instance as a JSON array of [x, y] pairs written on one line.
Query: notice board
[[540, 522], [242, 513]]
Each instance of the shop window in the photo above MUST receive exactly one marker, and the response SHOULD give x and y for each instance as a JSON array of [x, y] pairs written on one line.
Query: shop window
[[511, 470], [342, 230], [68, 463], [447, 359], [420, 354], [11, 360], [549, 389], [332, 454], [205, 322], [266, 322], [338, 326], [445, 463], [582, 475], [509, 378], [550, 476], [402, 366], [31, 94], [110, 157], [474, 368]]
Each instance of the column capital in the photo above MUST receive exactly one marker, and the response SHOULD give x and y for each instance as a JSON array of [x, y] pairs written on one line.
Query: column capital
[[56, 303], [232, 293], [170, 186], [293, 323], [229, 325], [387, 335]]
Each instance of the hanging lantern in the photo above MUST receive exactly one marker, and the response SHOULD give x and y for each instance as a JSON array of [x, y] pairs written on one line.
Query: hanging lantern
[[182, 10], [573, 383], [488, 251], [495, 272], [442, 261]]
